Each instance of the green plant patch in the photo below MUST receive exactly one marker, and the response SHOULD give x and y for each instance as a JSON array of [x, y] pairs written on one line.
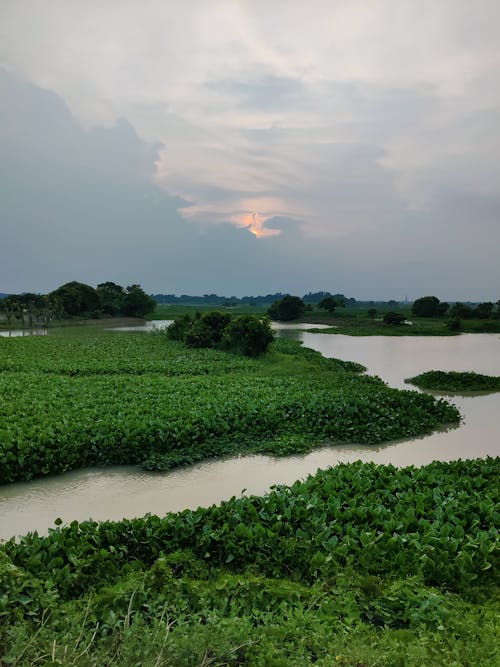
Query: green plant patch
[[84, 400], [456, 382], [359, 564]]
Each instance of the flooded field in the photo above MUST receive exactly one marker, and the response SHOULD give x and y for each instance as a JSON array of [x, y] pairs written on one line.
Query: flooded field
[[114, 493]]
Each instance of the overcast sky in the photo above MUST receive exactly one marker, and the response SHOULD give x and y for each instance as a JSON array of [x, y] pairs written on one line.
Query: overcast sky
[[251, 147]]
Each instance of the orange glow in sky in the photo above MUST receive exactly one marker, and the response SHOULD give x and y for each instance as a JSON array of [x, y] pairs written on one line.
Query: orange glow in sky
[[254, 222]]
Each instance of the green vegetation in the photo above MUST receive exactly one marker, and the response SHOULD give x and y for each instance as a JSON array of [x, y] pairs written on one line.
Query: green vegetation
[[395, 319], [429, 306], [243, 334], [286, 309], [357, 565], [175, 311], [361, 318], [75, 300], [81, 398], [330, 304], [456, 382], [368, 326]]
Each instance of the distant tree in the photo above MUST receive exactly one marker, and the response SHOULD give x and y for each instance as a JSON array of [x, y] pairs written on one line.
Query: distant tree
[[329, 304], [136, 302], [342, 300], [484, 310], [248, 335], [429, 306], [287, 308], [111, 298], [394, 318], [461, 311], [372, 312], [76, 298], [315, 297]]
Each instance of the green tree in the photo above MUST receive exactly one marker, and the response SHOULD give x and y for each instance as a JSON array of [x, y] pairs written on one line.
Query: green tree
[[462, 311], [76, 299], [137, 303], [111, 298], [329, 304], [429, 306], [287, 308], [484, 310], [248, 335]]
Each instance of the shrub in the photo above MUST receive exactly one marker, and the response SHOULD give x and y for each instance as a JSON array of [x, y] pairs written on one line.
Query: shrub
[[208, 330], [394, 318], [248, 335]]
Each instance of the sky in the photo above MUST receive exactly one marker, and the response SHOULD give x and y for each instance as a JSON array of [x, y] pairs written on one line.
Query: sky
[[249, 147]]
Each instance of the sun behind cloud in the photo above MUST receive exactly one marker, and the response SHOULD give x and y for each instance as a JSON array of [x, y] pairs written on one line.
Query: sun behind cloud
[[254, 222]]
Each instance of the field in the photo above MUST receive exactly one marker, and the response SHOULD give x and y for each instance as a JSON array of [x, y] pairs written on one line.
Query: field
[[83, 397]]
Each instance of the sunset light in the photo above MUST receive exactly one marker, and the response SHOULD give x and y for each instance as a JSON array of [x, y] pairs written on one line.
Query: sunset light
[[255, 222]]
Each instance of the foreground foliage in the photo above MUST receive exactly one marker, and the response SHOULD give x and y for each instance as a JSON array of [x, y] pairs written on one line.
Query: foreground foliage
[[82, 399], [455, 382], [358, 565]]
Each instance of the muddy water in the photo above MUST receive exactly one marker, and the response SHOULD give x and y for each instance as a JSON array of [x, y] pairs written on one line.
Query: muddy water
[[113, 493]]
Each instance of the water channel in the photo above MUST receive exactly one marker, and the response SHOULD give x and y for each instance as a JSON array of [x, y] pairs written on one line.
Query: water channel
[[114, 493]]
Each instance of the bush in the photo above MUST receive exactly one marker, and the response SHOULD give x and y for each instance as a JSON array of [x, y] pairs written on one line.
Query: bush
[[394, 318], [208, 330], [248, 335], [179, 328]]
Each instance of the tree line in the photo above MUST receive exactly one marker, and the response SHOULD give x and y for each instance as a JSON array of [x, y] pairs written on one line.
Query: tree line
[[431, 306], [255, 301], [75, 299]]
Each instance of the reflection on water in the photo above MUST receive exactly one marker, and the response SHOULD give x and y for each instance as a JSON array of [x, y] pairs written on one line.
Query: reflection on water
[[114, 493], [23, 332], [153, 325]]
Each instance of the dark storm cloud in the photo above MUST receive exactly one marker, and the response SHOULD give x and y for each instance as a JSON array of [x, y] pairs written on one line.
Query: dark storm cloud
[[80, 204]]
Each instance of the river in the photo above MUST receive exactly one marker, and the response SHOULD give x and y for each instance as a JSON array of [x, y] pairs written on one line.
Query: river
[[114, 493]]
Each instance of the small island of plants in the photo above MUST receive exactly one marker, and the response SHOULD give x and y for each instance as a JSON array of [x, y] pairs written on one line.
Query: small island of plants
[[455, 381]]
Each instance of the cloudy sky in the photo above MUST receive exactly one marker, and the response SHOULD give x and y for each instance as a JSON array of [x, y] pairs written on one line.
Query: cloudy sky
[[246, 147]]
